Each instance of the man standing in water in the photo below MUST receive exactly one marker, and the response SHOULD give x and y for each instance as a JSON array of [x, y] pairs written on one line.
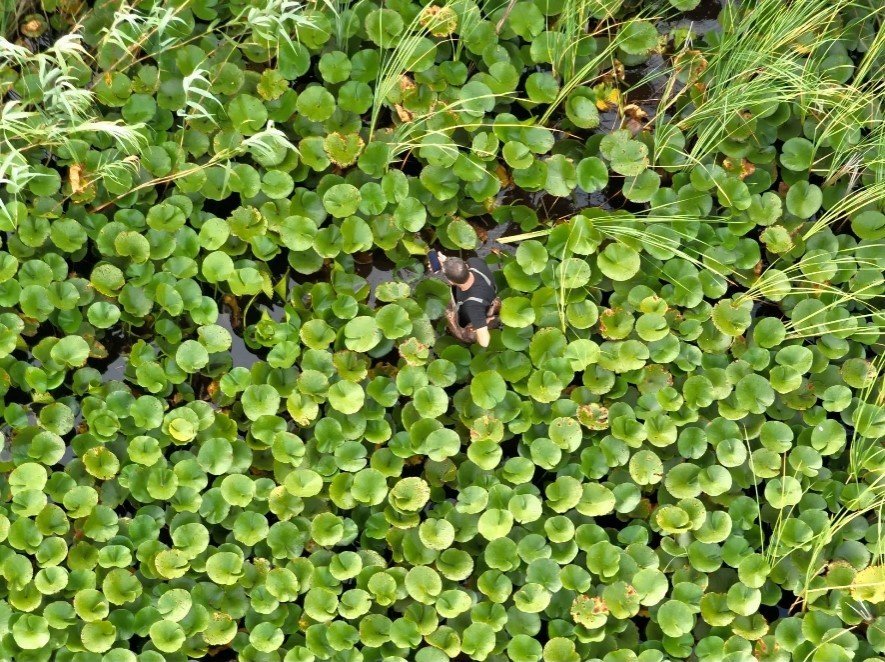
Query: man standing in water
[[475, 305]]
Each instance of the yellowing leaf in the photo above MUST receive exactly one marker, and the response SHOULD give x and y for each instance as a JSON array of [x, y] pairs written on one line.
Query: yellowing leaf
[[869, 584]]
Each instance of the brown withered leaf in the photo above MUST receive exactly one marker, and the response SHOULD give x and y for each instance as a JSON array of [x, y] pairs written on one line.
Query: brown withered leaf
[[503, 176], [32, 28], [406, 83], [75, 178]]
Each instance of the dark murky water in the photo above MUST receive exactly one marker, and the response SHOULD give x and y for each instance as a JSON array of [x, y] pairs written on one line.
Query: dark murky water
[[551, 207], [377, 268], [705, 14], [701, 19], [240, 353], [491, 243], [644, 85], [117, 345], [382, 271]]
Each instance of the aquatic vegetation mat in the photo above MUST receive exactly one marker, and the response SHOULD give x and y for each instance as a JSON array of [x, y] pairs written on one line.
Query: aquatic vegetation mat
[[233, 426]]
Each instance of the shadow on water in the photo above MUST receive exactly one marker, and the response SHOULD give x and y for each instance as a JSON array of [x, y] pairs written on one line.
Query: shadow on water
[[221, 654], [787, 606]]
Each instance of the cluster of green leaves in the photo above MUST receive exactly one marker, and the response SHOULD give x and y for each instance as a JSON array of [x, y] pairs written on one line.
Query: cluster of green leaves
[[673, 438]]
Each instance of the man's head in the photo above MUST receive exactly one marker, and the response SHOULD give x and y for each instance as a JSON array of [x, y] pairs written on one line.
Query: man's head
[[456, 270]]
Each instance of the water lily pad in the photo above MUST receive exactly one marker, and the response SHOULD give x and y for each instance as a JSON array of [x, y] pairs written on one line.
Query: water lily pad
[[619, 262], [592, 174], [804, 199], [342, 200], [343, 149], [797, 154], [637, 37], [71, 351], [629, 158], [247, 114]]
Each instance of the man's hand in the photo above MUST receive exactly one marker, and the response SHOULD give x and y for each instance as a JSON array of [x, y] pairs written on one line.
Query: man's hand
[[442, 260], [463, 333], [468, 334]]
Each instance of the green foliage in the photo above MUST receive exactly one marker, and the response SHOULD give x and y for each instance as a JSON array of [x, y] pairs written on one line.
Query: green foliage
[[234, 426]]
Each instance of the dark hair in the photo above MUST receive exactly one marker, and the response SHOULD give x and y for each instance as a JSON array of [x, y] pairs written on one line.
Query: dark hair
[[456, 270]]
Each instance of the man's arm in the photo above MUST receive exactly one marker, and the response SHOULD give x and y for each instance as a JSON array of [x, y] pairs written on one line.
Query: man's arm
[[464, 334], [451, 316]]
